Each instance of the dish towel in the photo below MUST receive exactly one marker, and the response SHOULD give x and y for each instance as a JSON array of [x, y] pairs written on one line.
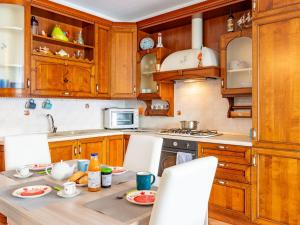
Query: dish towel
[[183, 157]]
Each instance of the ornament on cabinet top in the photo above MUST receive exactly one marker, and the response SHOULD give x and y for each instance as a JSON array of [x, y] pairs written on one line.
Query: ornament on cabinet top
[[159, 41], [147, 43], [245, 21], [57, 33]]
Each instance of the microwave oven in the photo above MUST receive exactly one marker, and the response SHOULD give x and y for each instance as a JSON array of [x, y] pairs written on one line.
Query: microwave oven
[[117, 118]]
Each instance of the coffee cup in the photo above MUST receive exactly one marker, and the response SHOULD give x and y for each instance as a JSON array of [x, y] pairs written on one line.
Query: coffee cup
[[83, 164], [23, 171], [69, 188], [144, 180]]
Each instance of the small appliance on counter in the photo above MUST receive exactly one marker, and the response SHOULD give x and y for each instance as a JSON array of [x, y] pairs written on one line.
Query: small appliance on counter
[[118, 118]]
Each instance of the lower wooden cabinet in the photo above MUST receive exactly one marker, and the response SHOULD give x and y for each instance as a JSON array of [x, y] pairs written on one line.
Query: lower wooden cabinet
[[110, 149], [93, 145], [232, 197], [276, 187], [115, 146], [231, 191], [126, 141], [63, 150], [2, 165]]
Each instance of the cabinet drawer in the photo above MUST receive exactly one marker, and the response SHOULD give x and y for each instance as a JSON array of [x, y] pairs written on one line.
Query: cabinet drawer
[[231, 196], [226, 153], [233, 172]]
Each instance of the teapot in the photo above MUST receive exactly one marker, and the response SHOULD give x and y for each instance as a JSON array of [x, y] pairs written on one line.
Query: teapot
[[61, 171]]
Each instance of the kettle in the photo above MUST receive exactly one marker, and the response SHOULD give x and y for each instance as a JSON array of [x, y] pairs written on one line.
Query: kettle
[[61, 171]]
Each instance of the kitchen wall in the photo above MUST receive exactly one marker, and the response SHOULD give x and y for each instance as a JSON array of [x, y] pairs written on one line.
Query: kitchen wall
[[68, 115], [200, 101]]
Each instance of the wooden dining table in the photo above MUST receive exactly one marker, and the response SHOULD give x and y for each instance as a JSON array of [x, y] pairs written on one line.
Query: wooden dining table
[[69, 212]]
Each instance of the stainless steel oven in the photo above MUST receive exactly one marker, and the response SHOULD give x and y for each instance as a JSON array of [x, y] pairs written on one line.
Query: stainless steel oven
[[170, 149]]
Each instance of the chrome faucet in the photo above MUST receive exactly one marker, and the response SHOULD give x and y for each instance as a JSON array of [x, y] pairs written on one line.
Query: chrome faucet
[[51, 122]]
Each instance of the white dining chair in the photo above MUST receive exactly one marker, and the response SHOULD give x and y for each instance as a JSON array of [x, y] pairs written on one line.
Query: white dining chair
[[183, 193], [20, 150], [143, 153]]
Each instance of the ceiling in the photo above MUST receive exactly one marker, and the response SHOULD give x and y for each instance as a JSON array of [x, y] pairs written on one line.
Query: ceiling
[[127, 10]]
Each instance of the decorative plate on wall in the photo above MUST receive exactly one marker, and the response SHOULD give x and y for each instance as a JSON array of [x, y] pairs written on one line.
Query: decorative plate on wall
[[147, 43]]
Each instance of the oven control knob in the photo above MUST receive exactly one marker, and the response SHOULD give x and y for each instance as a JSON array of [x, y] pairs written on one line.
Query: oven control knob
[[175, 143]]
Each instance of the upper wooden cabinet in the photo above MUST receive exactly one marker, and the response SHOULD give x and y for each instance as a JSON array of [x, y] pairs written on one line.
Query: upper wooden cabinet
[[14, 47], [123, 61], [276, 93], [103, 43], [261, 6], [276, 186], [59, 77]]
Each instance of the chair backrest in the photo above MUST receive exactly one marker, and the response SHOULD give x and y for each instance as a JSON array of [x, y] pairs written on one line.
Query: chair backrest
[[183, 193], [20, 150], [143, 153]]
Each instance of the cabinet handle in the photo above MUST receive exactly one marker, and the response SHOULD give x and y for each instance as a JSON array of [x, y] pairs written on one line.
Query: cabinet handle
[[134, 90], [222, 164], [254, 160], [75, 151], [66, 80], [222, 83], [253, 133], [253, 5], [28, 83], [222, 147], [157, 87], [202, 150], [79, 149], [97, 87], [222, 182], [66, 93]]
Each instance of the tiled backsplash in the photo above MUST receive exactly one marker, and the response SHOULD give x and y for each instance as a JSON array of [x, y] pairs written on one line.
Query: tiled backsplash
[[68, 115], [201, 101]]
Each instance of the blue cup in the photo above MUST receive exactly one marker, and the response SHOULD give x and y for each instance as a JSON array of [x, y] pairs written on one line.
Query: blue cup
[[30, 104], [47, 104], [4, 83], [83, 165], [144, 180]]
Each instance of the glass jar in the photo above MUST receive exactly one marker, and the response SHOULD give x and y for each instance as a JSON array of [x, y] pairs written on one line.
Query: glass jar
[[106, 177]]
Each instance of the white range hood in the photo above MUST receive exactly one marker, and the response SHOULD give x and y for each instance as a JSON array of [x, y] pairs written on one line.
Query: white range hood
[[188, 59]]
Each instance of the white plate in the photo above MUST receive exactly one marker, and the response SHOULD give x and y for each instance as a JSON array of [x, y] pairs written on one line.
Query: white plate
[[131, 197], [115, 170], [18, 193], [39, 167], [63, 195], [23, 177]]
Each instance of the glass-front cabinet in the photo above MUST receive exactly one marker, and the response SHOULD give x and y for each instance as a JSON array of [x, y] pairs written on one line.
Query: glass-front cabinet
[[148, 67], [236, 63], [12, 48]]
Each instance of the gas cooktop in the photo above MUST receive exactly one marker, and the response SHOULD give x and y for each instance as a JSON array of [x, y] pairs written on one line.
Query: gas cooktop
[[190, 133]]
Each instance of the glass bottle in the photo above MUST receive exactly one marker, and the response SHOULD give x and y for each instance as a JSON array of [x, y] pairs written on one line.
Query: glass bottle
[[34, 25], [94, 181]]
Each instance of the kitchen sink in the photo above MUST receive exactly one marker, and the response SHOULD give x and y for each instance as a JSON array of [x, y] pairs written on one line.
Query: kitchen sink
[[75, 132]]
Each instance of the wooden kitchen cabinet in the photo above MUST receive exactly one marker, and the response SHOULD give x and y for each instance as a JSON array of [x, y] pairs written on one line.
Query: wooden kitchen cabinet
[[123, 61], [63, 150], [104, 58], [48, 76], [115, 146], [231, 197], [276, 93], [261, 6], [126, 141], [93, 145], [231, 191], [2, 165], [59, 77], [276, 187]]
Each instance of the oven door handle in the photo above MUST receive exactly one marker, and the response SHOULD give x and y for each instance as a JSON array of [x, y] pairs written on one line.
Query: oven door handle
[[193, 154]]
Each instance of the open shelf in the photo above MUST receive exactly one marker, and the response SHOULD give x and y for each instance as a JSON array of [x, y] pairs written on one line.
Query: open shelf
[[64, 58], [59, 42], [157, 112]]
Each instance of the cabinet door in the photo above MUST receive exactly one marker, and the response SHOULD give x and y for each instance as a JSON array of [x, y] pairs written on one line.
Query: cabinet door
[[115, 150], [79, 79], [123, 62], [103, 61], [126, 141], [48, 76], [267, 5], [276, 187], [276, 98], [63, 150], [93, 145], [231, 196]]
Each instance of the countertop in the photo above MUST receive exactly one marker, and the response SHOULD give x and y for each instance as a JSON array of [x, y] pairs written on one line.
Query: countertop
[[225, 138]]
